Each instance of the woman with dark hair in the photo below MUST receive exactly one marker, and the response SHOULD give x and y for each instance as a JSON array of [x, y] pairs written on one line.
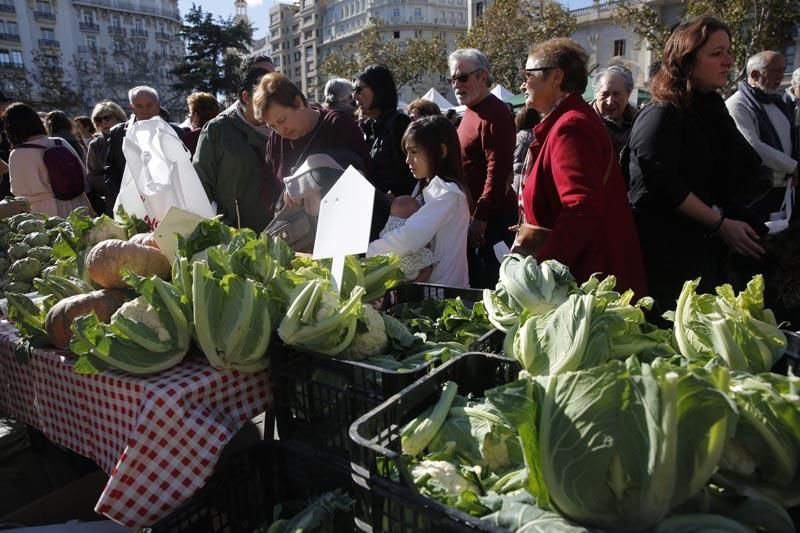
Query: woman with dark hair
[[433, 155], [422, 108], [29, 176], [58, 124], [202, 108], [85, 129], [376, 95], [525, 119], [573, 201], [690, 167]]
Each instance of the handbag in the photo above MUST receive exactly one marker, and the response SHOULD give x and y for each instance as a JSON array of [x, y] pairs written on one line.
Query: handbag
[[529, 239], [295, 226]]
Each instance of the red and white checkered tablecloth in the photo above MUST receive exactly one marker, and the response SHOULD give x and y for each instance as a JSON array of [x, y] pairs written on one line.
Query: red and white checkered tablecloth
[[158, 437]]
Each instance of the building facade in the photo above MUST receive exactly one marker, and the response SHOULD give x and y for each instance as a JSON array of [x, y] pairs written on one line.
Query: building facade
[[294, 38], [74, 53]]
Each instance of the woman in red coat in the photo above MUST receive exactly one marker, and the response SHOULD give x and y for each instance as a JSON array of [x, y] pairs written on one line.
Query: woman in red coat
[[575, 187]]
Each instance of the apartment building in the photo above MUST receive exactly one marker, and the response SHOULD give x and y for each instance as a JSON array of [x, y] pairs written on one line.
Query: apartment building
[[85, 42]]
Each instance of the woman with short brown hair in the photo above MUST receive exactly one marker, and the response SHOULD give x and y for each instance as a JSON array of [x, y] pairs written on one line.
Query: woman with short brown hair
[[422, 108], [202, 108], [689, 166]]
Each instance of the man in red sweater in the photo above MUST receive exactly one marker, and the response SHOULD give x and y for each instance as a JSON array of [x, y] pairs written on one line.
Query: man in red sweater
[[487, 135]]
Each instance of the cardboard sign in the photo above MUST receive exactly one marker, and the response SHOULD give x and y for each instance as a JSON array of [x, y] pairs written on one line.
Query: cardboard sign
[[178, 221], [345, 218]]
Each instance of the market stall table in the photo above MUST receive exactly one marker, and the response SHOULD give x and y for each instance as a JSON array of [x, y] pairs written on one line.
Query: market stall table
[[157, 437]]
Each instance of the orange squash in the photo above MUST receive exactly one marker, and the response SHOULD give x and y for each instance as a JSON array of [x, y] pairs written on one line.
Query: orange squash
[[57, 323], [107, 261]]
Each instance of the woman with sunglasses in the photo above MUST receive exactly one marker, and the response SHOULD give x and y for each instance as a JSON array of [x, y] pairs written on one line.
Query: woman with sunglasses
[[375, 94], [574, 198], [105, 116]]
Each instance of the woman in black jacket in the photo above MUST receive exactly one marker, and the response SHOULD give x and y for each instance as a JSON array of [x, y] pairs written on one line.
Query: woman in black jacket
[[690, 169], [376, 95]]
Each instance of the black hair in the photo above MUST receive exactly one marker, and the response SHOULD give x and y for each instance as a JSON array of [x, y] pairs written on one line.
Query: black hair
[[379, 78], [249, 82], [163, 113], [57, 121], [428, 134], [247, 63], [21, 123]]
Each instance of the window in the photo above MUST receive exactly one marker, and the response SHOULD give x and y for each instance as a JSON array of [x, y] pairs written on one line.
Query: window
[[273, 18], [297, 71], [417, 11], [5, 57], [295, 28], [91, 42], [296, 57], [309, 52], [309, 34], [306, 19], [138, 25], [396, 13], [479, 9], [43, 6], [48, 34], [461, 17], [296, 42], [397, 35], [12, 28], [277, 61], [789, 54], [274, 33], [138, 46], [88, 16], [115, 21], [619, 47], [16, 58]]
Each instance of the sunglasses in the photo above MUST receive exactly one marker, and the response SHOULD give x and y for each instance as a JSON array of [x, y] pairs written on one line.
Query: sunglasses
[[98, 120], [528, 72], [462, 78]]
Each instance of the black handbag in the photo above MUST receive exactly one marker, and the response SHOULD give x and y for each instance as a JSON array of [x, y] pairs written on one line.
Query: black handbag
[[295, 226]]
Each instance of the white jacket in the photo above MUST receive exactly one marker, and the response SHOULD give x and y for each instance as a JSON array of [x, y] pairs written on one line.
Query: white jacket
[[443, 221]]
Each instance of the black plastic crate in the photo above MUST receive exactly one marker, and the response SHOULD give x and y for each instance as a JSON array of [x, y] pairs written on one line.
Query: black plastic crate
[[790, 360], [244, 489], [317, 396], [387, 505]]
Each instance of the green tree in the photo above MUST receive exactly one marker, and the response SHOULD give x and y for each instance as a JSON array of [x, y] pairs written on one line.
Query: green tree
[[408, 60], [52, 90], [755, 25], [213, 53], [508, 29]]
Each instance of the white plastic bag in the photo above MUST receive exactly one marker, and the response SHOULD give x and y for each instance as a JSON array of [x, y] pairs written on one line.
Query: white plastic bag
[[779, 220], [159, 174]]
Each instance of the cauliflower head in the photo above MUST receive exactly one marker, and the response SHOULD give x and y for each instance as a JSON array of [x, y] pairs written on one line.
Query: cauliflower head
[[104, 228], [442, 475], [139, 310], [371, 339]]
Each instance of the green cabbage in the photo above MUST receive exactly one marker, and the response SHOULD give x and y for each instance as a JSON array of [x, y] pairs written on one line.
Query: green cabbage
[[620, 445], [231, 319]]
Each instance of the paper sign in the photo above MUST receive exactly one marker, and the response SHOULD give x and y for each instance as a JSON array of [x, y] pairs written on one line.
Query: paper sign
[[178, 221], [345, 218]]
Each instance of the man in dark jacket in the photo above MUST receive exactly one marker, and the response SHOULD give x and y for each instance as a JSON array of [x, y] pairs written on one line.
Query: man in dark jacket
[[144, 102]]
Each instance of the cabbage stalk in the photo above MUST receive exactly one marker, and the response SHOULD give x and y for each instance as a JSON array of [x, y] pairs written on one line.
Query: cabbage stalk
[[619, 446], [231, 320]]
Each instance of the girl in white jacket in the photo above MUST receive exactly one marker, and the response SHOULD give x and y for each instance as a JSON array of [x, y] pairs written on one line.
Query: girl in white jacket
[[433, 155]]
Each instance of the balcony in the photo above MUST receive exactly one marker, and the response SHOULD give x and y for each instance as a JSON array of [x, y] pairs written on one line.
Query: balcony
[[133, 7], [49, 43], [117, 30], [138, 33], [44, 16], [162, 36], [9, 37], [89, 26], [7, 8], [12, 66]]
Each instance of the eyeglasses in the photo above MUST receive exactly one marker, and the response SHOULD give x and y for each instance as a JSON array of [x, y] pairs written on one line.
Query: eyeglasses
[[528, 72], [462, 78]]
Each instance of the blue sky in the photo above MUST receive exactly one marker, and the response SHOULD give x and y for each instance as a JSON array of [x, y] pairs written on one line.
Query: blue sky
[[258, 10]]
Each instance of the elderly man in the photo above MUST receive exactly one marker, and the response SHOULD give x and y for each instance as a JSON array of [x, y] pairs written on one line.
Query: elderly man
[[766, 122], [487, 136], [145, 105], [613, 86], [230, 156]]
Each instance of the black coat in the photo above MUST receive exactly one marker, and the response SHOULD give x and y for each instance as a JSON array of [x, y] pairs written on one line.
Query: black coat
[[672, 153], [383, 136]]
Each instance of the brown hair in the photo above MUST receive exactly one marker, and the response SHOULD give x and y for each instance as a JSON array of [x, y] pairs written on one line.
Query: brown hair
[[567, 55], [204, 104], [526, 118], [426, 108], [275, 88], [86, 123], [107, 107], [672, 83]]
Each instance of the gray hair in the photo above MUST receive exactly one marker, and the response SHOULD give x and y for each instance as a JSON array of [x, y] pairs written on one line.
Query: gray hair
[[143, 89], [337, 91], [474, 57], [760, 61], [796, 78], [613, 70]]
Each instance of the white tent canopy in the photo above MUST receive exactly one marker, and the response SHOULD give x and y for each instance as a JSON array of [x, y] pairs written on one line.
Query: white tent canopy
[[502, 93], [433, 96]]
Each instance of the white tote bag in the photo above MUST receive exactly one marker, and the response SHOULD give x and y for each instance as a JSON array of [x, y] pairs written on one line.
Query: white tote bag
[[779, 220], [159, 173]]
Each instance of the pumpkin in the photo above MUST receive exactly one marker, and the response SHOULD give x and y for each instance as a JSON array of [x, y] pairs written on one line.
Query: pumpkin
[[107, 261], [145, 239], [58, 320]]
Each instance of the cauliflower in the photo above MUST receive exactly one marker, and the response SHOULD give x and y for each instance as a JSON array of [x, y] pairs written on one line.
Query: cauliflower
[[327, 306], [442, 476], [372, 340], [104, 228], [139, 310]]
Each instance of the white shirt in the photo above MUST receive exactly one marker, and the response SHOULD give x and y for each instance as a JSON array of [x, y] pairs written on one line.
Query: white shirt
[[443, 221], [780, 161]]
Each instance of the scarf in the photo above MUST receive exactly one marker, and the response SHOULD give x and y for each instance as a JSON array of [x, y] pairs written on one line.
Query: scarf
[[755, 99]]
